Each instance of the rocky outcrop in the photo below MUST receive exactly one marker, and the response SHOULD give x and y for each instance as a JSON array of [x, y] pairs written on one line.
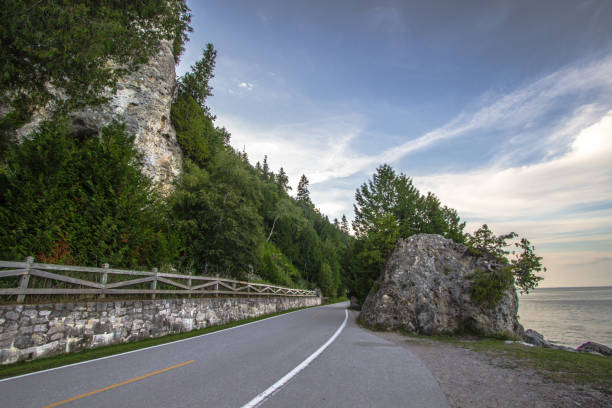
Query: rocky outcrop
[[143, 101], [592, 347], [425, 288], [533, 337]]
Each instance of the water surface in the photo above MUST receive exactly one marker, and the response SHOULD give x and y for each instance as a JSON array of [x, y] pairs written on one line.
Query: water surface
[[569, 316]]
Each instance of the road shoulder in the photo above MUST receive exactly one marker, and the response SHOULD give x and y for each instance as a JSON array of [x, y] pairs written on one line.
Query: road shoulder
[[478, 380]]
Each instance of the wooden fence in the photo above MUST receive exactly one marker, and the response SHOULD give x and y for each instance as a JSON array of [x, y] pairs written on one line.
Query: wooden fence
[[104, 281]]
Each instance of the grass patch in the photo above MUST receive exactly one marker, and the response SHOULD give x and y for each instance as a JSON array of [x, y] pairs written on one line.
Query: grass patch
[[25, 367], [331, 301]]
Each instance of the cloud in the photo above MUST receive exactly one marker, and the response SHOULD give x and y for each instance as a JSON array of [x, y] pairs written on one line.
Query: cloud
[[246, 85], [579, 177]]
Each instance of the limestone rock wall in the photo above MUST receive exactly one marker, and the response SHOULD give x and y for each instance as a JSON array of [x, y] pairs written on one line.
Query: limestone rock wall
[[425, 288], [143, 100], [31, 331]]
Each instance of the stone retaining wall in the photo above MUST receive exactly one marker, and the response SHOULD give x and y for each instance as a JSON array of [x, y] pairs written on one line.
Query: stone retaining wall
[[33, 331]]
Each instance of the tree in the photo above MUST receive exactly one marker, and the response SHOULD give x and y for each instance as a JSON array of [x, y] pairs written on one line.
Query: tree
[[521, 267], [303, 195], [197, 81], [387, 208], [344, 227], [216, 213], [68, 52], [81, 200], [265, 168], [282, 180]]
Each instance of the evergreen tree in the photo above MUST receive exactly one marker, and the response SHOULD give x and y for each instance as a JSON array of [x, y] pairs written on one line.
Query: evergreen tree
[[265, 169], [196, 82], [282, 180], [80, 200], [344, 227], [303, 195]]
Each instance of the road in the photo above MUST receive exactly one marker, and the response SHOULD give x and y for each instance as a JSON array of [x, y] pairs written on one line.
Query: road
[[317, 357]]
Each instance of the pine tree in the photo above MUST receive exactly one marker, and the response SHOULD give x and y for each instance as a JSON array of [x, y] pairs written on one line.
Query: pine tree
[[344, 227], [265, 168], [303, 194], [197, 81], [282, 180]]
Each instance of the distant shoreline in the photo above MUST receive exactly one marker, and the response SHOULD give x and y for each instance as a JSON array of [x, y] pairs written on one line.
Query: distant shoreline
[[570, 288]]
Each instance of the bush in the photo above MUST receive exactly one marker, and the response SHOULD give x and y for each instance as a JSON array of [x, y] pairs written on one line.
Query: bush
[[489, 287], [83, 200], [195, 131]]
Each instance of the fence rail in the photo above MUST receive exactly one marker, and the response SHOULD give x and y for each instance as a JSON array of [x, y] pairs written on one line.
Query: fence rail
[[109, 281]]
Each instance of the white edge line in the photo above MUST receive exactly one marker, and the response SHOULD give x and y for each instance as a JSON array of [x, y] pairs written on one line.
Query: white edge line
[[152, 347], [274, 387]]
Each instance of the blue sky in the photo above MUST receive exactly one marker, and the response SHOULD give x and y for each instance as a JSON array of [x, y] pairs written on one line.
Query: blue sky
[[502, 109]]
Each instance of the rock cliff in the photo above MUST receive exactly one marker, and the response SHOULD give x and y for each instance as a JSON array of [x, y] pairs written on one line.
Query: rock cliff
[[425, 288], [143, 101]]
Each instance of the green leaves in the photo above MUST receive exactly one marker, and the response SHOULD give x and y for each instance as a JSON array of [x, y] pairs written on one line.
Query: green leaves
[[78, 46], [81, 200], [522, 267]]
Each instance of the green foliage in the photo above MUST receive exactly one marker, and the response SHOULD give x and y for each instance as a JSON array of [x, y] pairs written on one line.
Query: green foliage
[[215, 210], [303, 194], [276, 268], [195, 131], [522, 266], [388, 208], [80, 47], [81, 199], [526, 265], [196, 82], [489, 287]]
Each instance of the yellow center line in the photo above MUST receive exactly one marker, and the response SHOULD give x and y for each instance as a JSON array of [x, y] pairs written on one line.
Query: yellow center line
[[316, 314], [110, 387]]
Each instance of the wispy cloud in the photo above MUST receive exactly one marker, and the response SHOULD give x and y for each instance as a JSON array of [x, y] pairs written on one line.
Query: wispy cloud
[[246, 85]]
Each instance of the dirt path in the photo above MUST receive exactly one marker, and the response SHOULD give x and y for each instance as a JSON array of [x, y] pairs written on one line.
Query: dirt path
[[471, 379]]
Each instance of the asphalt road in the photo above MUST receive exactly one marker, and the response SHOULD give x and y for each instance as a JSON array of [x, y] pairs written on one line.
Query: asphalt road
[[315, 357]]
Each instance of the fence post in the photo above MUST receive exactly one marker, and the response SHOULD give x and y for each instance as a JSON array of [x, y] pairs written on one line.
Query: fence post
[[234, 288], [217, 285], [25, 279], [189, 282], [103, 280], [154, 283]]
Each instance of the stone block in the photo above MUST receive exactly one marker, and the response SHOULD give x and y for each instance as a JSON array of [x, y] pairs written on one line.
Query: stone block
[[56, 336], [11, 315], [22, 342]]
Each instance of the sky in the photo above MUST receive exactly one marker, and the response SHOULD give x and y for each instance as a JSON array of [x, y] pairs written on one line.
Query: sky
[[503, 109]]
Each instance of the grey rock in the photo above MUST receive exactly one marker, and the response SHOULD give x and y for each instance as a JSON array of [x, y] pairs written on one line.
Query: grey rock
[[22, 342], [355, 303], [425, 288], [533, 337], [11, 315], [592, 347]]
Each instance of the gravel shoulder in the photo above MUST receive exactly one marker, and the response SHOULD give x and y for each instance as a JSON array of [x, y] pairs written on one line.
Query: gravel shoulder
[[472, 379]]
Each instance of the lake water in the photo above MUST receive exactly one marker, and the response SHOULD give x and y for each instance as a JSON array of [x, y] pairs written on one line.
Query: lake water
[[569, 316]]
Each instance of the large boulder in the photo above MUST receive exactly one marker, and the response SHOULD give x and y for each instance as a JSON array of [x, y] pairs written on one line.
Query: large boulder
[[426, 288]]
